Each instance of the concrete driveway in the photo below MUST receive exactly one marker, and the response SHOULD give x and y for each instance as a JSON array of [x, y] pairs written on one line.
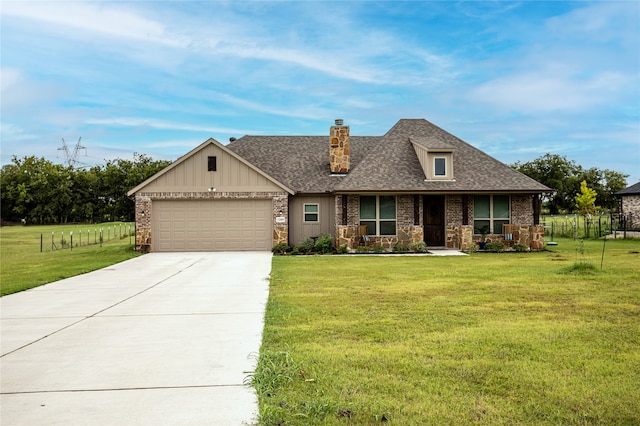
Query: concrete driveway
[[162, 339]]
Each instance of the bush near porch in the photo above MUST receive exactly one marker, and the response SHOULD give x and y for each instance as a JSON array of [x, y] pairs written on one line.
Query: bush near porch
[[524, 338]]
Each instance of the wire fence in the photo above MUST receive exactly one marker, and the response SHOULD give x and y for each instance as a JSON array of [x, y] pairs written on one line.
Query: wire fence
[[582, 226], [86, 237]]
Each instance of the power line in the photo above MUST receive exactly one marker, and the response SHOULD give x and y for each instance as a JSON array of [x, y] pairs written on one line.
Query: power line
[[70, 157]]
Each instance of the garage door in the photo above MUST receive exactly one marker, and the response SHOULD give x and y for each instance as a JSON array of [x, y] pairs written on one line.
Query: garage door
[[212, 225]]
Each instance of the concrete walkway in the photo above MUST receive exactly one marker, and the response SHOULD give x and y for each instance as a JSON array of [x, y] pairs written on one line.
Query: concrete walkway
[[162, 339]]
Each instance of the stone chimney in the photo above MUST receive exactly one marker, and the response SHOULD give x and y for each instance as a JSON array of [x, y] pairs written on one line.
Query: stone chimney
[[339, 147]]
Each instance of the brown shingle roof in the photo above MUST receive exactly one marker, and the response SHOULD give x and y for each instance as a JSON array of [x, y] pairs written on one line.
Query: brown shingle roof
[[380, 163]]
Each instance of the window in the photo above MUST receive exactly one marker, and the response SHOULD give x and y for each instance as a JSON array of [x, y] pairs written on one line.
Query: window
[[378, 212], [212, 165], [490, 212], [311, 213], [439, 166]]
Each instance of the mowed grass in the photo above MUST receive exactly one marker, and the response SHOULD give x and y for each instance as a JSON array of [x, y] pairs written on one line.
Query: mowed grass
[[22, 266], [511, 338]]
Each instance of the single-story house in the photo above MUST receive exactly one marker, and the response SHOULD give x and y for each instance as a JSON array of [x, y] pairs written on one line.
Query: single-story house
[[629, 205], [415, 183]]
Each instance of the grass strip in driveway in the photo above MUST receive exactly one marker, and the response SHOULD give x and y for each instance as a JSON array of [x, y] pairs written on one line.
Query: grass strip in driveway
[[507, 338]]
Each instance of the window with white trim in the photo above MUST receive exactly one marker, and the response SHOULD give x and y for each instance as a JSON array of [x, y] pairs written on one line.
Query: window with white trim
[[311, 213], [490, 212], [378, 212]]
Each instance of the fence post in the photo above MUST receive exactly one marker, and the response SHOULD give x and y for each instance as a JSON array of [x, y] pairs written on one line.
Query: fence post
[[52, 243], [41, 242], [71, 240]]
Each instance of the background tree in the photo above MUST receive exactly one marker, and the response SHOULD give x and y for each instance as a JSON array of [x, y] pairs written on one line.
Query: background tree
[[565, 176], [39, 191]]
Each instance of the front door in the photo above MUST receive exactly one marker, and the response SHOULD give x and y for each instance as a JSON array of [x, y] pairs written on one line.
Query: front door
[[434, 220]]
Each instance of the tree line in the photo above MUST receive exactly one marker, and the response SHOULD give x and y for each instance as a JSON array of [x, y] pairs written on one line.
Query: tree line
[[565, 177], [35, 190]]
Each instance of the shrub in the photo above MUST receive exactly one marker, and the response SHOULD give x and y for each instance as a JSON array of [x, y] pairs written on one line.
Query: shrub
[[363, 249], [419, 247], [495, 246], [343, 249], [324, 244], [520, 247], [281, 249], [306, 247], [379, 249], [400, 248]]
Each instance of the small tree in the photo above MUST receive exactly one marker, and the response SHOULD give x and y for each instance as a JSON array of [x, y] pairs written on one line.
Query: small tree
[[586, 204]]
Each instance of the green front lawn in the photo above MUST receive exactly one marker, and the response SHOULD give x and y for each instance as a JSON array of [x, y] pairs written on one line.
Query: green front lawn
[[512, 338], [23, 266]]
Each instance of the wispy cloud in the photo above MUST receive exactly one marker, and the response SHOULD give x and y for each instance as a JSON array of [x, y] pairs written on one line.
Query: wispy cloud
[[160, 124], [109, 19]]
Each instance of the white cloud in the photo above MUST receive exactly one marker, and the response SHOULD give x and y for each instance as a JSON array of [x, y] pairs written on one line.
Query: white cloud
[[101, 18], [160, 124]]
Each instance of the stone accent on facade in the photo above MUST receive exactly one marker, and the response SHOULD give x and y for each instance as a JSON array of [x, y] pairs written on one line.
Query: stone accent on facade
[[144, 210], [339, 148], [347, 235], [460, 237], [631, 210], [280, 234]]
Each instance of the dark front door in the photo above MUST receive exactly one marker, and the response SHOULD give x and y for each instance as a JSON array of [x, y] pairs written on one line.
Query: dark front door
[[434, 220]]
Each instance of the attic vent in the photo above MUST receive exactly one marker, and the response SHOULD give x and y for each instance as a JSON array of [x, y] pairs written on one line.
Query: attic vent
[[232, 139]]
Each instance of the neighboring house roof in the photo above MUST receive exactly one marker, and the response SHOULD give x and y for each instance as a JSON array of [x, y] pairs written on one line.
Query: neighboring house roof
[[381, 163], [206, 143], [631, 190]]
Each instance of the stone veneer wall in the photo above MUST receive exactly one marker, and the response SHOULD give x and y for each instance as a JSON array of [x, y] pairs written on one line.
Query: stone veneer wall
[[461, 237], [631, 210], [339, 149], [144, 211]]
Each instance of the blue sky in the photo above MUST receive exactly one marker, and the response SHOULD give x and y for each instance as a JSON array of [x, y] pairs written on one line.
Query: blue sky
[[515, 79]]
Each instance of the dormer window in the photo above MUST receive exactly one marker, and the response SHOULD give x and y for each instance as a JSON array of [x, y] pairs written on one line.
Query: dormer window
[[436, 158], [440, 166]]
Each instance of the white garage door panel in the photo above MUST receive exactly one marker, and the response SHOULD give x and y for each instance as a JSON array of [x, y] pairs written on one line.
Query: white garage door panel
[[212, 225]]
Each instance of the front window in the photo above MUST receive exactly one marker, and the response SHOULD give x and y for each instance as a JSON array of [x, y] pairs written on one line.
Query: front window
[[311, 213], [378, 213], [490, 212]]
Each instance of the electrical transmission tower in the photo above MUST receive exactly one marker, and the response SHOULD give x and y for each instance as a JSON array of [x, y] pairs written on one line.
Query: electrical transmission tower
[[71, 154]]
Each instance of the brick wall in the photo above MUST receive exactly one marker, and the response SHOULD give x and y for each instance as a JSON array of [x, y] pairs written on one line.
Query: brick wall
[[522, 209]]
